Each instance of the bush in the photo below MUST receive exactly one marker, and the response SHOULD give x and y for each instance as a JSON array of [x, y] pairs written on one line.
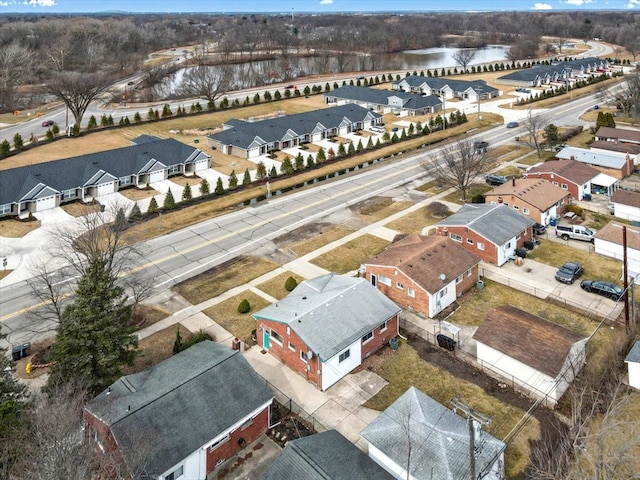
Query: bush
[[290, 284], [192, 340], [579, 211], [479, 198], [438, 210], [244, 306]]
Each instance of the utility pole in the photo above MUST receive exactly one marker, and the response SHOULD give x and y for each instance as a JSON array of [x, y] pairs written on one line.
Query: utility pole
[[472, 416], [627, 325]]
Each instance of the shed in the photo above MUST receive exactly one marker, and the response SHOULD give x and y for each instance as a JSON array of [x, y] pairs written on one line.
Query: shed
[[633, 361]]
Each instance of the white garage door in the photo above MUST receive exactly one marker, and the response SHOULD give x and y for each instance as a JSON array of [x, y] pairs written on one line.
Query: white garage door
[[45, 203], [106, 189], [201, 165], [156, 176], [343, 130]]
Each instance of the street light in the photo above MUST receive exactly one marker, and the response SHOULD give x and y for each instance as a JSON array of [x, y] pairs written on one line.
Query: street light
[[479, 92]]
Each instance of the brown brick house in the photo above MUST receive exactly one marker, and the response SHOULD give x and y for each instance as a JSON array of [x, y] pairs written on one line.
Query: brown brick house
[[492, 232], [425, 274], [183, 417], [569, 175], [326, 326], [534, 197]]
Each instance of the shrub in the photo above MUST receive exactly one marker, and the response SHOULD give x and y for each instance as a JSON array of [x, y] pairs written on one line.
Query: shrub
[[290, 284], [579, 211], [177, 345], [193, 339], [153, 206], [169, 202], [438, 210], [244, 306], [479, 198]]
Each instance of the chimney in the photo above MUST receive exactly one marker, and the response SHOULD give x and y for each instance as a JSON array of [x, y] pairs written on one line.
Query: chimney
[[513, 181]]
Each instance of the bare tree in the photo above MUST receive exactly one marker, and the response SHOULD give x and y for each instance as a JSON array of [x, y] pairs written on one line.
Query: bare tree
[[458, 164], [16, 67], [560, 42], [206, 82], [77, 90], [464, 57], [534, 126]]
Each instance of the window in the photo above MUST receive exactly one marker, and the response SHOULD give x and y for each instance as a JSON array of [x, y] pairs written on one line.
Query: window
[[442, 292], [565, 186], [518, 236], [292, 347], [455, 237], [525, 211], [470, 241], [177, 473], [276, 336], [480, 246], [555, 183], [399, 285], [367, 337], [459, 279], [507, 245], [344, 355], [303, 356], [516, 207], [384, 280], [383, 327], [215, 445], [6, 208], [411, 292]]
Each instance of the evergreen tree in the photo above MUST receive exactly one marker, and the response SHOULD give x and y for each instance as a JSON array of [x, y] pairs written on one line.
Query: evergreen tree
[[370, 143], [137, 118], [320, 156], [104, 120], [204, 187], [55, 129], [169, 202], [286, 167], [299, 162], [359, 147], [394, 138], [273, 172], [403, 135], [166, 111], [187, 196], [378, 144], [261, 171], [120, 221], [109, 123], [310, 162], [219, 187], [92, 123], [411, 129], [351, 149], [551, 135], [233, 180], [277, 95], [94, 338], [177, 344], [153, 206], [256, 98], [341, 151], [11, 390], [49, 135], [18, 143], [246, 178], [150, 115], [135, 213]]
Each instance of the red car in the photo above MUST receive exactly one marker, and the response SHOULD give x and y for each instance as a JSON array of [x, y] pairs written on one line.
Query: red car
[[48, 123]]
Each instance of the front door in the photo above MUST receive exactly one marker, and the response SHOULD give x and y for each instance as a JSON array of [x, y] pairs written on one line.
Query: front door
[[265, 340], [373, 280]]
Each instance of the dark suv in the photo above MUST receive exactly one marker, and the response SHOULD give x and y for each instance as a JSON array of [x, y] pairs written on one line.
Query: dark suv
[[494, 180], [538, 228], [480, 147], [569, 272]]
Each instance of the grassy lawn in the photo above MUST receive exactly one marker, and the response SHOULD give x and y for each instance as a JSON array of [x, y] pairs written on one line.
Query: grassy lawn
[[351, 255], [375, 209], [240, 325], [595, 266], [218, 280], [79, 209], [275, 286], [508, 171], [12, 228], [156, 348], [582, 140], [413, 222], [333, 233], [146, 315], [433, 187], [533, 159], [599, 220], [404, 368], [472, 191]]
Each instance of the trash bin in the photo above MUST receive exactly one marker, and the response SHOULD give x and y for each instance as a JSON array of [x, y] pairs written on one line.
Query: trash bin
[[393, 343], [235, 344], [520, 252], [16, 352], [445, 342], [24, 349], [553, 222], [480, 284], [528, 244], [586, 197]]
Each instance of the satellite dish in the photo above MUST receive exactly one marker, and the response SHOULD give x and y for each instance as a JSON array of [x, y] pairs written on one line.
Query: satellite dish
[[442, 277], [309, 355]]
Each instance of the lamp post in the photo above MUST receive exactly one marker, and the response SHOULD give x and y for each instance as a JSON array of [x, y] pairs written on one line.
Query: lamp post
[[479, 92]]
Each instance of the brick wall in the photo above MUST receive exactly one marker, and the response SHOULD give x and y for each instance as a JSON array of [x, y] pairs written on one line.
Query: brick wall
[[291, 358], [229, 448], [110, 455], [490, 252], [468, 281], [380, 337], [554, 177]]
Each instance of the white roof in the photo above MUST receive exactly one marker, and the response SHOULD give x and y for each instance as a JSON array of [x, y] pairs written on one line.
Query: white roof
[[604, 180], [591, 157]]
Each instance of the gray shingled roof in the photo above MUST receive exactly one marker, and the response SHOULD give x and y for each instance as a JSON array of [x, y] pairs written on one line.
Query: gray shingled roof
[[530, 74], [324, 456], [145, 139], [497, 223], [439, 438], [591, 157], [634, 353], [438, 83], [331, 312], [411, 101], [243, 134], [180, 404], [75, 172]]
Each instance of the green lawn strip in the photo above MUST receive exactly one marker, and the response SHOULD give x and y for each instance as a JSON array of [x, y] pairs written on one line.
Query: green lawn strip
[[413, 222], [333, 233], [218, 280], [383, 211], [351, 255], [596, 267], [473, 190], [275, 286], [156, 348], [226, 314], [404, 368]]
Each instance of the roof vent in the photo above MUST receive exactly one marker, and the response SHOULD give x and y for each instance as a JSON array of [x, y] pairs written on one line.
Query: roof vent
[[304, 298]]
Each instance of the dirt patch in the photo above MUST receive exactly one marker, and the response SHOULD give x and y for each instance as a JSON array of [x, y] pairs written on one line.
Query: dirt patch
[[80, 209], [12, 228], [135, 194], [371, 205]]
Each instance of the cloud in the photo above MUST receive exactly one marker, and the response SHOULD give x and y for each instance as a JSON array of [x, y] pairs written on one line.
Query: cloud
[[326, 2], [39, 3], [541, 6], [633, 3], [577, 3]]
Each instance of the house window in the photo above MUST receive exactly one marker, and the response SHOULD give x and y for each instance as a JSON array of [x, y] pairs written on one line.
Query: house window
[[399, 285], [277, 337], [411, 292], [303, 356], [555, 183], [455, 237], [384, 280], [292, 347], [344, 355], [470, 241], [480, 246], [383, 327], [367, 337], [518, 236], [516, 207], [177, 473], [565, 186], [507, 245], [459, 279], [215, 445], [442, 292], [6, 208], [525, 211]]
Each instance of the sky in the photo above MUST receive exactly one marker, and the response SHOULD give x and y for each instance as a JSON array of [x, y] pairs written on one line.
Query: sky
[[292, 6]]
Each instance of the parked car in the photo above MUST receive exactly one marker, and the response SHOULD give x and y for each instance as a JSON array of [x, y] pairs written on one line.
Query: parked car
[[523, 90], [48, 123], [538, 228], [495, 180], [606, 289], [569, 272], [289, 87], [596, 107], [513, 125], [480, 146]]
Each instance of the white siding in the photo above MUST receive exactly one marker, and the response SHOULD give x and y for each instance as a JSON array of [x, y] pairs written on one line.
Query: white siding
[[627, 212], [438, 303], [634, 374], [504, 252], [333, 370], [388, 464], [253, 153]]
